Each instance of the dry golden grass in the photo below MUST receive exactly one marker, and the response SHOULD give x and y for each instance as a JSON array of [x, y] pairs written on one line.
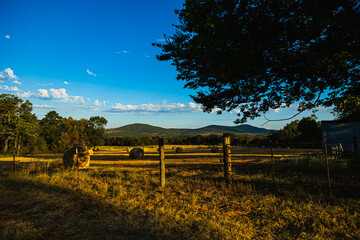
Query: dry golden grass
[[120, 199]]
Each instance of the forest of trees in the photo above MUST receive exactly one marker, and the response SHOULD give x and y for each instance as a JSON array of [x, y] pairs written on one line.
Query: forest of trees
[[21, 132]]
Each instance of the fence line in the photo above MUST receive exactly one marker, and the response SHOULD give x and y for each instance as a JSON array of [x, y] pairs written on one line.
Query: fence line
[[332, 177]]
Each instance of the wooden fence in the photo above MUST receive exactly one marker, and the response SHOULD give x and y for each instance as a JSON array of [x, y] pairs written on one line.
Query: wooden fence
[[336, 167]]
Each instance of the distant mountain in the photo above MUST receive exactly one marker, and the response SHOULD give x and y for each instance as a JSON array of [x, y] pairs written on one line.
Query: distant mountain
[[140, 130]]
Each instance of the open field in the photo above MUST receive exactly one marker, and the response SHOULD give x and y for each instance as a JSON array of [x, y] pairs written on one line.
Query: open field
[[119, 198]]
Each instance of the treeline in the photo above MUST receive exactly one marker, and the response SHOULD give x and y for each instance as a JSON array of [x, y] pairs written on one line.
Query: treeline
[[212, 139], [299, 133], [21, 132]]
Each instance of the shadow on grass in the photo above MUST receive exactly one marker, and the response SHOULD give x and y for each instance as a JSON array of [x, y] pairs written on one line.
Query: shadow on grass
[[154, 157], [33, 210], [286, 183], [289, 180]]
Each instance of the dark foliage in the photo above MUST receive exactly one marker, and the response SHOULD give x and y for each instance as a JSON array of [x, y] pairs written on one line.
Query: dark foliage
[[260, 55]]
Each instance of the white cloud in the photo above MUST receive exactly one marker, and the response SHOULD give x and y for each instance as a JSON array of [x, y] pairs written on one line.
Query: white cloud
[[236, 111], [194, 105], [43, 106], [43, 93], [7, 36], [26, 94], [122, 52], [52, 93], [97, 103], [90, 73], [86, 108], [120, 107], [16, 82], [10, 73], [77, 99], [65, 82], [58, 93], [10, 89], [44, 84], [162, 107]]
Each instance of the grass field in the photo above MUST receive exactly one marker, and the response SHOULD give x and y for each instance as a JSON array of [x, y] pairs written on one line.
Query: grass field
[[120, 199]]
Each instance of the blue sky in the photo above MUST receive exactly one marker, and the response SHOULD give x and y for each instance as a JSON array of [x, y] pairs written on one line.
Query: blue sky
[[95, 58]]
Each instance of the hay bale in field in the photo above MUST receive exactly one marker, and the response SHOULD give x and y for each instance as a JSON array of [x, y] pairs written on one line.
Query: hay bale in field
[[214, 149], [91, 152], [179, 150], [69, 158], [136, 153]]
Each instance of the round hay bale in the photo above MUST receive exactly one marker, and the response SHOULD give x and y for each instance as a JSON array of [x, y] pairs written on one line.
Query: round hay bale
[[136, 153], [179, 150], [214, 149], [69, 158]]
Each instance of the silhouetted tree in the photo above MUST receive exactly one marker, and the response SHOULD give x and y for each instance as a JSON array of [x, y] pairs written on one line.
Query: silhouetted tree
[[348, 109], [310, 130], [260, 55]]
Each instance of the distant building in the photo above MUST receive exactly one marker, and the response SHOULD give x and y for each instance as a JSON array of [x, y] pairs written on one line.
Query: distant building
[[335, 132]]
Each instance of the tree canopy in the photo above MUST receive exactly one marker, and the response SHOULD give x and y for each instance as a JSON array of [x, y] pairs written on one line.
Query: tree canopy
[[22, 132], [96, 130], [16, 121], [254, 56]]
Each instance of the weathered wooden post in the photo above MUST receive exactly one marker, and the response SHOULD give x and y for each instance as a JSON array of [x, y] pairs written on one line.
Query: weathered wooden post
[[77, 164], [14, 164], [227, 159], [356, 154], [272, 164], [327, 163], [162, 162]]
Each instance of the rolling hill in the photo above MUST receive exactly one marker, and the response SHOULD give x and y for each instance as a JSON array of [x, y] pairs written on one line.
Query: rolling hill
[[139, 130]]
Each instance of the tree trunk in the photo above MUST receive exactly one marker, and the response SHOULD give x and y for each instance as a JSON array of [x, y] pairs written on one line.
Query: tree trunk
[[6, 145], [15, 143], [18, 146]]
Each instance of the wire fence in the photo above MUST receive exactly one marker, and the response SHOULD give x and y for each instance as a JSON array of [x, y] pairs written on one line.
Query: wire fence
[[337, 165], [329, 165]]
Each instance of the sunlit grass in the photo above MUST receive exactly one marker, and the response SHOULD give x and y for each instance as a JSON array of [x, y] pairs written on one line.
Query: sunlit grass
[[127, 203], [119, 198]]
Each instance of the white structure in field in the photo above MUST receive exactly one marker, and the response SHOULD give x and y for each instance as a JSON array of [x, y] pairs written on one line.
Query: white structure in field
[[344, 133]]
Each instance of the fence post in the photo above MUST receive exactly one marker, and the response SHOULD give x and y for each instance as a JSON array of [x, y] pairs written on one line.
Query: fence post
[[14, 164], [356, 154], [227, 159], [273, 164], [162, 162], [327, 163], [77, 164]]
